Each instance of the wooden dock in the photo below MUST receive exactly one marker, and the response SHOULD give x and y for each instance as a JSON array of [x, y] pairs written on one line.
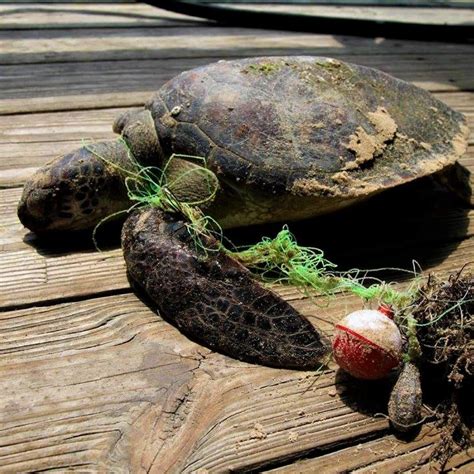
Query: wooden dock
[[93, 380]]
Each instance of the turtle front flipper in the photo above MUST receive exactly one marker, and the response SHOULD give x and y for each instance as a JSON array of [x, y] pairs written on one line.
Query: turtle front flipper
[[77, 191], [137, 128], [212, 298]]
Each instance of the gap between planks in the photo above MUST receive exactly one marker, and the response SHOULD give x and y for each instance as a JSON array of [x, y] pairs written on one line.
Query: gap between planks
[[212, 42], [380, 455], [39, 17], [90, 15]]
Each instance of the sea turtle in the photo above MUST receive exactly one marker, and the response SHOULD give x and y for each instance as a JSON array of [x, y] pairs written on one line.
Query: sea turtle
[[287, 138]]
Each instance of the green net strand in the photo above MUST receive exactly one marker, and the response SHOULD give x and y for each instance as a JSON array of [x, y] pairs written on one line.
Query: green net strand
[[282, 260], [148, 186], [277, 260]]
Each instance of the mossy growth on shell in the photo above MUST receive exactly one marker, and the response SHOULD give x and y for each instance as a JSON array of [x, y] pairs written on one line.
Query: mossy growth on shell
[[263, 68]]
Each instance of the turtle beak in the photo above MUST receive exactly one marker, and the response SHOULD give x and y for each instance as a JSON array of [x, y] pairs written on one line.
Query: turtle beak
[[34, 206], [45, 202]]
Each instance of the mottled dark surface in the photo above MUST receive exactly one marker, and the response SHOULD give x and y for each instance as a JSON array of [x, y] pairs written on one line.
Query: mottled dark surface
[[269, 122], [404, 407], [215, 300]]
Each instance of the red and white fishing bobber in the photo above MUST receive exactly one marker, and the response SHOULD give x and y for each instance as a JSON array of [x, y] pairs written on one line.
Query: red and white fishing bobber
[[367, 343]]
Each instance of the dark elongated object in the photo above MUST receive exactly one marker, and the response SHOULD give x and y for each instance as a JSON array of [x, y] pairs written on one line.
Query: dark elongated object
[[214, 299]]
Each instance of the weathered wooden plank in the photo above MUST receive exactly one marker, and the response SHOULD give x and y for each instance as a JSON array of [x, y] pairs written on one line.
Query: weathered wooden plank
[[404, 462], [13, 176], [87, 15], [358, 3], [72, 86], [155, 43], [28, 141], [92, 389], [122, 389], [27, 276], [386, 454], [90, 15], [160, 364], [151, 43], [65, 1], [433, 15]]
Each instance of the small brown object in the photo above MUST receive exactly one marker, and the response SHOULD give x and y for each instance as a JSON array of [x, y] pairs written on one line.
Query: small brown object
[[404, 406]]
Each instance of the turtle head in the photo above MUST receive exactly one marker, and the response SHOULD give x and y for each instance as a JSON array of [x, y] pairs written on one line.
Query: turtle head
[[76, 191]]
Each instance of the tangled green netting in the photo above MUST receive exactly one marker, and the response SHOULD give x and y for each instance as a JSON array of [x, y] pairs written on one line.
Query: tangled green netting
[[279, 259], [282, 260], [149, 186]]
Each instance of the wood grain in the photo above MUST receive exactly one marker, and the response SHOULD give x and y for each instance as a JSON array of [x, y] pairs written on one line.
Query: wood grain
[[156, 43], [120, 389], [89, 85], [386, 454], [30, 141], [92, 15], [433, 15], [91, 379]]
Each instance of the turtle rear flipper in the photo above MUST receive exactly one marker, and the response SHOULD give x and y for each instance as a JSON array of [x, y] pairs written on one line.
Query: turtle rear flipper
[[212, 298]]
